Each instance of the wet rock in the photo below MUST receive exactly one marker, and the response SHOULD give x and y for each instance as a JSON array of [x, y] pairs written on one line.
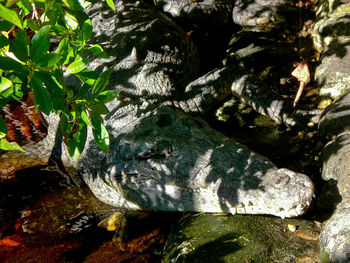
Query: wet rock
[[226, 238]]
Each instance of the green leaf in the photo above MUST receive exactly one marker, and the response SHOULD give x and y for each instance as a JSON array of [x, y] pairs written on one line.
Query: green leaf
[[3, 41], [48, 60], [10, 3], [99, 108], [25, 7], [30, 23], [11, 16], [71, 20], [77, 143], [85, 118], [41, 95], [65, 51], [88, 76], [63, 123], [98, 51], [102, 81], [55, 90], [73, 5], [3, 126], [40, 43], [82, 91], [76, 67], [5, 25], [6, 145], [86, 29], [7, 63], [60, 30], [107, 96], [19, 46], [110, 3], [4, 84], [100, 134]]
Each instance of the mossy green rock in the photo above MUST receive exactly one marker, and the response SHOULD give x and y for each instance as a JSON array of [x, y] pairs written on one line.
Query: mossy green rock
[[241, 238]]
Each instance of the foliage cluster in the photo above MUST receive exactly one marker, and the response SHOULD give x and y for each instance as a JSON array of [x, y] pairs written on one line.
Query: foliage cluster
[[42, 41]]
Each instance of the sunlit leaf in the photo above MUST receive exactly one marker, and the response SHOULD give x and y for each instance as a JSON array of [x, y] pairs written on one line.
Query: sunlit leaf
[[85, 118], [10, 15], [110, 3], [86, 29], [25, 7], [107, 96], [4, 84], [30, 23], [6, 145], [98, 51], [71, 20], [76, 66]]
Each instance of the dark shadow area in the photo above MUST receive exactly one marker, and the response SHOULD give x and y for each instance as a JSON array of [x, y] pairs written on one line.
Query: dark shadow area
[[337, 48], [216, 249]]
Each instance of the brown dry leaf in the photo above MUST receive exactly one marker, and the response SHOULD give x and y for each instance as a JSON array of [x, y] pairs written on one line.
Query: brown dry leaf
[[302, 74]]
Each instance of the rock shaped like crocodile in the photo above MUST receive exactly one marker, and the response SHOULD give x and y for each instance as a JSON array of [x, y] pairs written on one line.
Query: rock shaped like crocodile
[[160, 158]]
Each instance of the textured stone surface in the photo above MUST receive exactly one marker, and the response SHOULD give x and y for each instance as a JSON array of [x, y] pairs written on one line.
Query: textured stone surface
[[260, 12], [335, 236], [332, 23], [331, 35], [334, 125], [161, 159], [333, 73], [225, 238]]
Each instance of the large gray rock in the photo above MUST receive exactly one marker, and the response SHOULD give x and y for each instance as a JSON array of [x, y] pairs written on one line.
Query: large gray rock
[[331, 36], [262, 13], [334, 125], [225, 238]]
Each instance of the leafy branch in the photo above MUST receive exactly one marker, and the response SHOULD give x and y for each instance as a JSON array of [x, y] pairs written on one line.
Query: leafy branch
[[40, 42]]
